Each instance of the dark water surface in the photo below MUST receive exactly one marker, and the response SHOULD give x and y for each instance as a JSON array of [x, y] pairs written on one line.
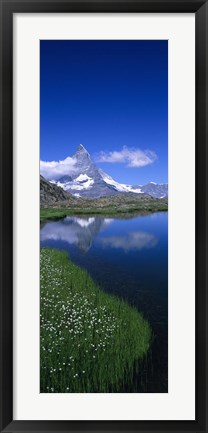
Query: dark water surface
[[128, 258]]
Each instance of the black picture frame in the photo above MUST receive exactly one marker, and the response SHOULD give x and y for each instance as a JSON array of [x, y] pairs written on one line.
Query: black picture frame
[[7, 9]]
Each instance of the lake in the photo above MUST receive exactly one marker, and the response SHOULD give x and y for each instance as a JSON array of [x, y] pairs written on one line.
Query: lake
[[127, 257]]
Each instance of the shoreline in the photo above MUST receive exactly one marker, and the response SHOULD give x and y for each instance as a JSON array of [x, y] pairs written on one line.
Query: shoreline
[[53, 214], [108, 356]]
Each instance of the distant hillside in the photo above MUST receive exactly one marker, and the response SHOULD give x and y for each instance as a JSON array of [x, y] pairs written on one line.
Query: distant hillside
[[123, 201], [55, 198], [51, 194]]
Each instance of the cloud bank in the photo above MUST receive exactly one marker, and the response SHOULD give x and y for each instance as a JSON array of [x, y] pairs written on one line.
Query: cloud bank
[[130, 156], [56, 169]]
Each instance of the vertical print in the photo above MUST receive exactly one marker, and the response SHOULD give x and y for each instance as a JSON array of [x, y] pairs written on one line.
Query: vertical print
[[103, 216]]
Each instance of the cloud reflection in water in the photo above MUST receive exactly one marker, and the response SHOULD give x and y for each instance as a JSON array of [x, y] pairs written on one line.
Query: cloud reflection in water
[[132, 241]]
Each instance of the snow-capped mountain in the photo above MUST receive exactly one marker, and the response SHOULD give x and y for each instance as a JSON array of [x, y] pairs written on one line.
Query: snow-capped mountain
[[156, 190], [88, 180]]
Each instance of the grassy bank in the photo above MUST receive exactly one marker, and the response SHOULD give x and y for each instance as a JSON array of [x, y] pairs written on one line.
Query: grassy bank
[[47, 214], [89, 340]]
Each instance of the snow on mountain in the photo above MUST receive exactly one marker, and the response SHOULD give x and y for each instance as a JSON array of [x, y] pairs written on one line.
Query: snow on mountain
[[88, 180], [121, 187]]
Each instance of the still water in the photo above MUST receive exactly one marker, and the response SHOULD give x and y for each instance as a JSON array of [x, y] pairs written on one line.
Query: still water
[[128, 258]]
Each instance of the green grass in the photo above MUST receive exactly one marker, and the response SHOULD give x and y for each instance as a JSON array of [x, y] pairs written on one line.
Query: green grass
[[90, 341], [55, 214]]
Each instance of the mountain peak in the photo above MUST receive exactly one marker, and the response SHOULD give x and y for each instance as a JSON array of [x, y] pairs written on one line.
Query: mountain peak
[[82, 152], [81, 148], [82, 157]]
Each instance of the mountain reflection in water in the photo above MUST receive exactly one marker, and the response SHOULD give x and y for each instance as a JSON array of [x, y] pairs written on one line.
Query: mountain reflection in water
[[73, 230], [82, 231]]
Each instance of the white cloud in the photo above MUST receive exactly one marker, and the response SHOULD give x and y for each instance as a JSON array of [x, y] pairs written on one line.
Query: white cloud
[[130, 156], [56, 169]]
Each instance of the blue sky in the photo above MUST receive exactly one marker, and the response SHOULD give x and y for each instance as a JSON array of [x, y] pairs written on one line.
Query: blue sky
[[111, 96]]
